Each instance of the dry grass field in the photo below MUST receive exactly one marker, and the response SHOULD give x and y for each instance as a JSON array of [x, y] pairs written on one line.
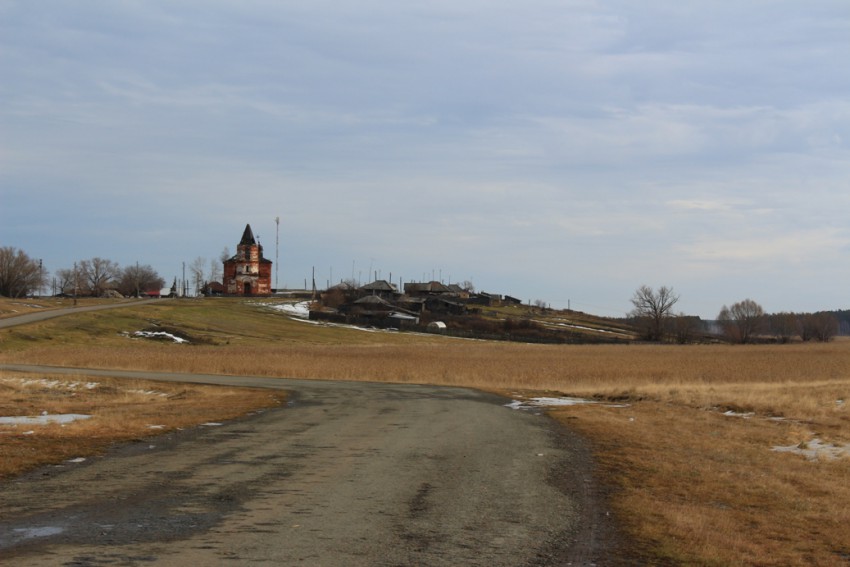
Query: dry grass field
[[117, 410], [684, 436]]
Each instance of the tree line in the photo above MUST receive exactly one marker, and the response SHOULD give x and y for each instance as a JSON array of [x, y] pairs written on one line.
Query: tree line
[[741, 322], [21, 276], [652, 314]]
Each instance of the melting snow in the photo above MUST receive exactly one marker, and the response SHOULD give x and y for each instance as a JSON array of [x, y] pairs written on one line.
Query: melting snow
[[548, 402], [816, 449], [50, 384], [44, 419], [731, 413], [159, 334], [572, 326], [29, 533], [301, 310]]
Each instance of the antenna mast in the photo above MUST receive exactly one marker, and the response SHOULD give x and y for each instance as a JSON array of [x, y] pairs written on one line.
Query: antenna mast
[[277, 253]]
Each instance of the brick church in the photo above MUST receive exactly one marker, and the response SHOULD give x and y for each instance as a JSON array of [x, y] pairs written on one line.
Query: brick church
[[247, 272]]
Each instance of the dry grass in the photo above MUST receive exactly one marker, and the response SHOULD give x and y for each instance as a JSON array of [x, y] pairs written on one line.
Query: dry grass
[[696, 487], [702, 488], [120, 410]]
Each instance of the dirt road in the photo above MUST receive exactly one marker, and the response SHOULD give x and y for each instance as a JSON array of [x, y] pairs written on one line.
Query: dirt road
[[347, 474], [37, 316]]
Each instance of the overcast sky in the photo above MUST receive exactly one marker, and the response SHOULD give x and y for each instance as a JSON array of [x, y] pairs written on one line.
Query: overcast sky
[[562, 150]]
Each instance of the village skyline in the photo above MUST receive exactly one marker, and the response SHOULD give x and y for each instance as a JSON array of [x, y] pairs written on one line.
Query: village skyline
[[568, 152]]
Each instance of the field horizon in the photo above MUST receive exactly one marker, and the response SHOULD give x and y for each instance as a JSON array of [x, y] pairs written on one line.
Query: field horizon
[[688, 437]]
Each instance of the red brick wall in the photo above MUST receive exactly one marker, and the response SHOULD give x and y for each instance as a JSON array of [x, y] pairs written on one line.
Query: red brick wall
[[247, 273]]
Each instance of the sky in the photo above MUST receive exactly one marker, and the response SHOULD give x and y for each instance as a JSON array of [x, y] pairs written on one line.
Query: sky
[[567, 151]]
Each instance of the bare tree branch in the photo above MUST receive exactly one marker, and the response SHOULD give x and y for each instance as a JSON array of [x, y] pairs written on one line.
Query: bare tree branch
[[652, 308]]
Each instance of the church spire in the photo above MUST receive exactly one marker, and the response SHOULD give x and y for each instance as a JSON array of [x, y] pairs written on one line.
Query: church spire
[[247, 237]]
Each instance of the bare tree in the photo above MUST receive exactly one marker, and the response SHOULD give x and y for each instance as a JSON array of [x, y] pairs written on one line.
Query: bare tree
[[98, 275], [784, 326], [65, 280], [215, 270], [822, 326], [742, 321], [684, 328], [137, 279], [652, 309], [198, 273], [20, 275]]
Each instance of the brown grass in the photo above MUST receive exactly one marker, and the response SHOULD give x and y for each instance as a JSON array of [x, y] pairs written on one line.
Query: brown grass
[[696, 487], [701, 488], [120, 410]]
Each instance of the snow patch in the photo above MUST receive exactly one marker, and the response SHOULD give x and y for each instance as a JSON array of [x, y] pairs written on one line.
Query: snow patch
[[159, 335], [30, 305], [300, 310], [816, 450], [30, 533], [44, 419], [50, 384], [147, 393], [573, 326], [548, 402], [744, 415]]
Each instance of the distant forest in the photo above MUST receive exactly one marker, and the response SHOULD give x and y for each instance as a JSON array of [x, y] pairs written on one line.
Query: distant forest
[[843, 317]]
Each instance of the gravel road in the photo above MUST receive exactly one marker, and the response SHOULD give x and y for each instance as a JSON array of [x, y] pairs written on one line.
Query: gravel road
[[346, 474]]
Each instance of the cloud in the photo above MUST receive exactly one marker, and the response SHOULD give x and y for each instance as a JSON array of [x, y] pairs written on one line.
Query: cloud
[[796, 247], [566, 148]]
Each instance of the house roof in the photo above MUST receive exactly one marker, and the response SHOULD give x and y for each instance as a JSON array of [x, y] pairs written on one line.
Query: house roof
[[372, 300], [445, 301], [432, 287], [379, 285]]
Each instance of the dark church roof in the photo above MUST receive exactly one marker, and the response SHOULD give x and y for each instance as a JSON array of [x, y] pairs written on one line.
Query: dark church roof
[[247, 237]]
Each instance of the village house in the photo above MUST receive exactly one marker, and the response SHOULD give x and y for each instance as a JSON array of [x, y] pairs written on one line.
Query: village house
[[380, 288], [417, 289], [247, 272]]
